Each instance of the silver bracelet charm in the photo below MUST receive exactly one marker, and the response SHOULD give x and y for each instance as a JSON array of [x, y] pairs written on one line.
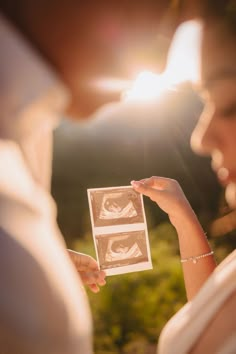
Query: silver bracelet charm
[[196, 258]]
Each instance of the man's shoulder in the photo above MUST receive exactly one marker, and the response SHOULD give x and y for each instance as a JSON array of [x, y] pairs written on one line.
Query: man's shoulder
[[14, 177], [18, 190]]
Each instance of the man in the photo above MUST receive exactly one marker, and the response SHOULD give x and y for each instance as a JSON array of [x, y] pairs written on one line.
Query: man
[[51, 51]]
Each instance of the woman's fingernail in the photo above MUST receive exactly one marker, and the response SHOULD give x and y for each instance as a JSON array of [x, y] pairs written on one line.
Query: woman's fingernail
[[135, 183]]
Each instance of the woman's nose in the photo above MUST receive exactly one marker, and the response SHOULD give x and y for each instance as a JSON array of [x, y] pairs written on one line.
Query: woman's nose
[[204, 137]]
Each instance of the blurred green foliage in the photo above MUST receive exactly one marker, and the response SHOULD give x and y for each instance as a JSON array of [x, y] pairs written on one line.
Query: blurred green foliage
[[131, 310]]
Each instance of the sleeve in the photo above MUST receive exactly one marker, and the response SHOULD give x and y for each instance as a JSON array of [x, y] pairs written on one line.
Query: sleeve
[[43, 308]]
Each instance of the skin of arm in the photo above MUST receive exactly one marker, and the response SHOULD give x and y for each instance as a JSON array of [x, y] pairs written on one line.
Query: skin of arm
[[169, 196]]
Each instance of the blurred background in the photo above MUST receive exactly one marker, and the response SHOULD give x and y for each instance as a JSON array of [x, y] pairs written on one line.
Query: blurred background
[[147, 133]]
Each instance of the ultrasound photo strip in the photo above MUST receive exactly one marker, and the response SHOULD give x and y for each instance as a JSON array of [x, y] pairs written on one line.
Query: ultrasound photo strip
[[119, 229]]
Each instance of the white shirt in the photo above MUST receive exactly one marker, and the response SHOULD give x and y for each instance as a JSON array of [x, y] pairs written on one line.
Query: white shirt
[[43, 308], [185, 328]]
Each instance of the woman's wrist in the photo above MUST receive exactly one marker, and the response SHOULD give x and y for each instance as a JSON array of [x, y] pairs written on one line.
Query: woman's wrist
[[185, 215]]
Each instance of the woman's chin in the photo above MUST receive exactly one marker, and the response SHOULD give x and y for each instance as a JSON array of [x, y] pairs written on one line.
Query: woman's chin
[[230, 195]]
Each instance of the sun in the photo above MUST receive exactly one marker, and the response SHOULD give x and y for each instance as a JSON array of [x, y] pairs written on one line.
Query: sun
[[147, 86], [182, 65]]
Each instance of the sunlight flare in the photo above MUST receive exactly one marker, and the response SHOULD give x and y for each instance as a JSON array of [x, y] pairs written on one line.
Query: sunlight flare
[[183, 65], [147, 86]]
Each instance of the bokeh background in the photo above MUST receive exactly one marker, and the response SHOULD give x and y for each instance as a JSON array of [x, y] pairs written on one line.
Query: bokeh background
[[133, 140]]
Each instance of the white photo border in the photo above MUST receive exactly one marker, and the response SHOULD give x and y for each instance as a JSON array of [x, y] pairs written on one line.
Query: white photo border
[[111, 230]]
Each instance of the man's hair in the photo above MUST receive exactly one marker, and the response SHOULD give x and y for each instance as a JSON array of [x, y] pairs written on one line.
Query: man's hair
[[221, 9]]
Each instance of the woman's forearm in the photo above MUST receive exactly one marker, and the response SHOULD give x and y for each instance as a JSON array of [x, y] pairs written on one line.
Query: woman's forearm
[[193, 243], [170, 197]]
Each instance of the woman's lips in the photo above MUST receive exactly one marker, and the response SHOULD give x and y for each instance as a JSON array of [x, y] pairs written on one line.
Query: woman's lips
[[225, 176], [222, 174]]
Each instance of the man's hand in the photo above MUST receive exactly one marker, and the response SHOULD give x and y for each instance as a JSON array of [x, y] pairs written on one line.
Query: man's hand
[[88, 269]]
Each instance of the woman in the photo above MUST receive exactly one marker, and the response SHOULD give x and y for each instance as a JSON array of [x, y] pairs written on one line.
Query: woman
[[206, 324]]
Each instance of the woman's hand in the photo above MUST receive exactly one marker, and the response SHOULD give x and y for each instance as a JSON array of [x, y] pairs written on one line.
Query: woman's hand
[[88, 269], [168, 194]]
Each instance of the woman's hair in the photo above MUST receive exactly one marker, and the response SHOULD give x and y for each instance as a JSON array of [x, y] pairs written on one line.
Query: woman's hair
[[223, 11]]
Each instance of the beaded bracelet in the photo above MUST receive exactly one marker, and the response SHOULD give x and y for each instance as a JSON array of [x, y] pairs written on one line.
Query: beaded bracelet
[[195, 259]]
